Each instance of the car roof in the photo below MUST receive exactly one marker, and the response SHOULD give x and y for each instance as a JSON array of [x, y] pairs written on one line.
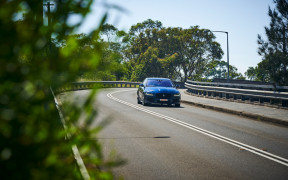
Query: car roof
[[155, 78]]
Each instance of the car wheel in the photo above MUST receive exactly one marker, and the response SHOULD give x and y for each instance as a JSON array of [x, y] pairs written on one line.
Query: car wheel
[[177, 105], [144, 103]]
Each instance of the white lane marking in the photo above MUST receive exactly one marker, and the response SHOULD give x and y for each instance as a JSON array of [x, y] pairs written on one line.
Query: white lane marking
[[251, 149], [77, 156]]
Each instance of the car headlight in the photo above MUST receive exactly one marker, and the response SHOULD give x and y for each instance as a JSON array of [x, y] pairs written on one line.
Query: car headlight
[[149, 94], [177, 95]]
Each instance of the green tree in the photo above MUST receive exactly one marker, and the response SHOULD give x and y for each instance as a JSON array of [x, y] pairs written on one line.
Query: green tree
[[262, 72], [141, 28], [218, 69], [251, 73], [109, 31], [111, 66], [170, 52], [234, 74], [197, 49], [274, 49], [33, 144], [142, 51], [169, 58]]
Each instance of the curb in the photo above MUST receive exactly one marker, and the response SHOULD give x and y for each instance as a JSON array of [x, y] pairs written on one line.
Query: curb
[[256, 117]]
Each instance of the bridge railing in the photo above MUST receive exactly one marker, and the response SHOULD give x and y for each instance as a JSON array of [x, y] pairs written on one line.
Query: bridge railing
[[75, 86], [253, 93], [244, 92]]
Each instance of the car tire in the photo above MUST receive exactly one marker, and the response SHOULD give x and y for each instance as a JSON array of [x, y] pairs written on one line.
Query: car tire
[[177, 105], [144, 103]]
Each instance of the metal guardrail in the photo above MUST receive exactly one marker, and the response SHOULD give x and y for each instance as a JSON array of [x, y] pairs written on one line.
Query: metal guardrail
[[253, 93], [242, 86], [260, 93], [75, 86]]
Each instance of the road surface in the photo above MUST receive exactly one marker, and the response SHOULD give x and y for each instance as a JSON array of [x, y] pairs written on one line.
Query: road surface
[[189, 142]]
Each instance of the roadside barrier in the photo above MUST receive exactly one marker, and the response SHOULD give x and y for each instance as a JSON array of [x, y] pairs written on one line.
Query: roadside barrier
[[261, 94], [75, 86], [244, 92]]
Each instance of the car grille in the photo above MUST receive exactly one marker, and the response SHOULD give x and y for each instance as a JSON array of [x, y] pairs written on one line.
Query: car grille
[[163, 95]]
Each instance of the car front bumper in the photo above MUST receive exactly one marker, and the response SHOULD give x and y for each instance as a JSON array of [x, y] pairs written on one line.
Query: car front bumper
[[163, 100]]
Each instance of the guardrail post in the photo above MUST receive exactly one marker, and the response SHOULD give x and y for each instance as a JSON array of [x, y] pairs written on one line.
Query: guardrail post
[[284, 103], [227, 96], [220, 95]]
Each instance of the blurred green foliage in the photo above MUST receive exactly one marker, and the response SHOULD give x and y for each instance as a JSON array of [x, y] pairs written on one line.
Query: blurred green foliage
[[32, 138]]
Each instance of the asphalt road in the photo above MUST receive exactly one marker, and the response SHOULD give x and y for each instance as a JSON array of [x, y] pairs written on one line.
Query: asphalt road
[[189, 142]]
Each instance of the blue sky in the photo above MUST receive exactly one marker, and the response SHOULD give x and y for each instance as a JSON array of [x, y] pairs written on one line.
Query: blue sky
[[243, 19]]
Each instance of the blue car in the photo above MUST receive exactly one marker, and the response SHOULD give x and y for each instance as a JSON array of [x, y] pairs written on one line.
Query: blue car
[[158, 91]]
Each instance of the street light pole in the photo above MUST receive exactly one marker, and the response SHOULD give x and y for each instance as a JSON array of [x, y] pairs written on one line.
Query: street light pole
[[228, 75]]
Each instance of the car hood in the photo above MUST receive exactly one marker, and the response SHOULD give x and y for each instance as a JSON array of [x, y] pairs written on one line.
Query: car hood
[[161, 90]]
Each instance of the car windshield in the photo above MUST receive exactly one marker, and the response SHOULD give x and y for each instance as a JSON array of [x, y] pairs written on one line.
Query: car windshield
[[159, 83]]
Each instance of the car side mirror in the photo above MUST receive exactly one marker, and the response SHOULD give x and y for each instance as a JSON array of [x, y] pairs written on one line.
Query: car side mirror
[[141, 85]]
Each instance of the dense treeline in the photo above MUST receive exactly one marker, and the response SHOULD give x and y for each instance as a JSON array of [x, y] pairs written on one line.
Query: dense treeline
[[151, 50]]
